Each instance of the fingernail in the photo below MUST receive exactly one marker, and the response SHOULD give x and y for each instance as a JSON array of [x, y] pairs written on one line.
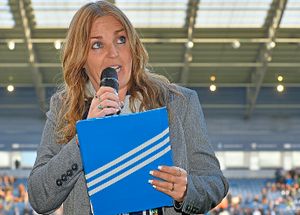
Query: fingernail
[[159, 167], [151, 172], [154, 186], [150, 181]]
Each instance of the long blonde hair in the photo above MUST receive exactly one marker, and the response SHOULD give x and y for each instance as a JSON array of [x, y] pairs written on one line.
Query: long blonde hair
[[151, 89]]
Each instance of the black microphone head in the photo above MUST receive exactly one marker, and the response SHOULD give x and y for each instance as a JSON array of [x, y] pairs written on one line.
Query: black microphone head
[[109, 72], [109, 78]]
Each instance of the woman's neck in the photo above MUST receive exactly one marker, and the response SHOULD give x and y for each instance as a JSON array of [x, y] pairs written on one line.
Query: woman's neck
[[122, 93]]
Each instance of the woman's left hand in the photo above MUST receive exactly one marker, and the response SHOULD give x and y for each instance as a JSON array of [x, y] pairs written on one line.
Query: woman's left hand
[[173, 183]]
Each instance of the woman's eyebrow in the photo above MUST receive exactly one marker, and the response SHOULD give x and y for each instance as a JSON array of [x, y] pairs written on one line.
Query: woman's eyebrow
[[96, 37], [100, 37], [118, 31]]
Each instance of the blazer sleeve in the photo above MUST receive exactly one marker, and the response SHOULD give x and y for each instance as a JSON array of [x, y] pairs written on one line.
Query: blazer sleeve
[[56, 169], [206, 184]]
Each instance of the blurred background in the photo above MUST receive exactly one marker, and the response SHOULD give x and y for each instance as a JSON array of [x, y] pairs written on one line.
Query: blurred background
[[241, 56]]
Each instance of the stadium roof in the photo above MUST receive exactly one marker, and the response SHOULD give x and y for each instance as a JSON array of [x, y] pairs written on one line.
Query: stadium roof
[[245, 44]]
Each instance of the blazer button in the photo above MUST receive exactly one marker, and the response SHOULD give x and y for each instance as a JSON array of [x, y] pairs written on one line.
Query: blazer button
[[75, 167], [64, 177], [69, 173], [58, 182]]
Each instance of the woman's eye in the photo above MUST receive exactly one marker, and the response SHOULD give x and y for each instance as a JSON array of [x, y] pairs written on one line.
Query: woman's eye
[[122, 40], [97, 45]]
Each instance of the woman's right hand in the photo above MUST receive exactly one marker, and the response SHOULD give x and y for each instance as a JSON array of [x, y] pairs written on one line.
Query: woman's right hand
[[105, 102]]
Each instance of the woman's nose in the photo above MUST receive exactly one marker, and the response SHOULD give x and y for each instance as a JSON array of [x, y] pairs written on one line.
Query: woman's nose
[[113, 51]]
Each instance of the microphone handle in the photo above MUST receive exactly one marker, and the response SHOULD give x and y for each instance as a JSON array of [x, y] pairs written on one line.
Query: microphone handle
[[110, 82], [113, 83]]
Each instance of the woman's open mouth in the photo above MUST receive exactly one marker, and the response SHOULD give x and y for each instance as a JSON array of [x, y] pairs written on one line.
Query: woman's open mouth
[[116, 67]]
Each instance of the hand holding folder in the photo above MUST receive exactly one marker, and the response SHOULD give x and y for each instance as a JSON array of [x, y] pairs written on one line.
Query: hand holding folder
[[117, 153]]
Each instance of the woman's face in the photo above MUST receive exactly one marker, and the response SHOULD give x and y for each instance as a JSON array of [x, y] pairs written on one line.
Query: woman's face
[[109, 47]]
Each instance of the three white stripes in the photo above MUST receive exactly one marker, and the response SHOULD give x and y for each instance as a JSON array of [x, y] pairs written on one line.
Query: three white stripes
[[135, 159]]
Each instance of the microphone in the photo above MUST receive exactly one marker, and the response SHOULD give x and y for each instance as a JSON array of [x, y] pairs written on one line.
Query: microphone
[[109, 78]]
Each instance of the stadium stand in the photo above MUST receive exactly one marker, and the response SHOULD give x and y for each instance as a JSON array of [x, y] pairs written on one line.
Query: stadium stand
[[13, 196], [277, 195]]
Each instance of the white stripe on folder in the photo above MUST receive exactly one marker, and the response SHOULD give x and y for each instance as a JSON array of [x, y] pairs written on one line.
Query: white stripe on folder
[[126, 155], [128, 163], [130, 171]]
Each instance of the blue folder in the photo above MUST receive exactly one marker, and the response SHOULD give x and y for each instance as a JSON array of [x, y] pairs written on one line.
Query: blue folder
[[117, 154]]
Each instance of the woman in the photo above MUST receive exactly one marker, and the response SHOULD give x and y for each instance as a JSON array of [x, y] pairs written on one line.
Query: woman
[[101, 36]]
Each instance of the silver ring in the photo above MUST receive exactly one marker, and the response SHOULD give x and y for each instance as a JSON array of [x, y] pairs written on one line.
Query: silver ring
[[100, 107]]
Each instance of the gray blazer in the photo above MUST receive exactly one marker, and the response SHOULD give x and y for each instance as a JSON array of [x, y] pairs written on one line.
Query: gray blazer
[[57, 176]]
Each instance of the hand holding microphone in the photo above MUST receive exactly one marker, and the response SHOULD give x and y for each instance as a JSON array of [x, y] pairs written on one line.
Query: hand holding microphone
[[106, 101]]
